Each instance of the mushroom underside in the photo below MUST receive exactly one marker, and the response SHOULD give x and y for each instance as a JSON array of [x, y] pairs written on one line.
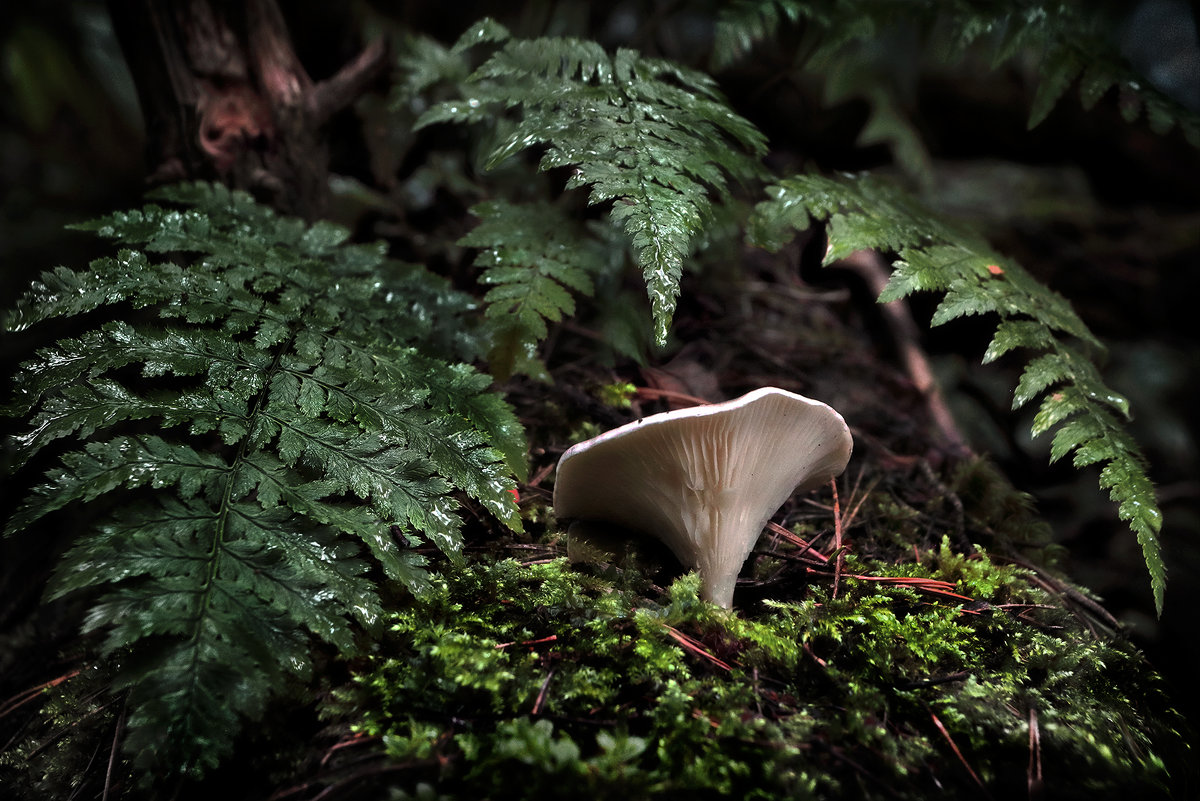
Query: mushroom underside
[[705, 480]]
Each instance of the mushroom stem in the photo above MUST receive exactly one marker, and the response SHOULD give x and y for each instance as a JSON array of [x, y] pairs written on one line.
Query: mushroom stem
[[717, 582]]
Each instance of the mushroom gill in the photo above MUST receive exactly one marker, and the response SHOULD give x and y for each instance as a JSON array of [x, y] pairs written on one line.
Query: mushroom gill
[[705, 480]]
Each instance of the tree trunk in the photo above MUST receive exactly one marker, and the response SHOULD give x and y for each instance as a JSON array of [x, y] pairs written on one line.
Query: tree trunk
[[225, 97]]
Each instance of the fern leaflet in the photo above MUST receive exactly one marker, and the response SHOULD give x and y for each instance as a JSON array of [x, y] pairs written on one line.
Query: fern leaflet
[[652, 137], [254, 435], [861, 213], [1070, 43], [534, 256]]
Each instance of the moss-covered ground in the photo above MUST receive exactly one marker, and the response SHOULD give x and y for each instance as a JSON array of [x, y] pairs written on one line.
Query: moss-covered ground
[[536, 679]]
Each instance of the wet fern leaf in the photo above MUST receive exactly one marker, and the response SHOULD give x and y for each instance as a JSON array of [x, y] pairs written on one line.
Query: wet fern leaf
[[653, 139], [535, 259], [861, 212], [257, 426]]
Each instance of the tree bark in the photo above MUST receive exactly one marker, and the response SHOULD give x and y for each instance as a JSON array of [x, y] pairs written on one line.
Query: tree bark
[[225, 97]]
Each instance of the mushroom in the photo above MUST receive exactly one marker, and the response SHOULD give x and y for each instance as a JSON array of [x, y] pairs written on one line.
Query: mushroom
[[705, 480]]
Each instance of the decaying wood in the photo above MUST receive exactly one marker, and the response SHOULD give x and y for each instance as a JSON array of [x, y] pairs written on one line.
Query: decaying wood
[[225, 97]]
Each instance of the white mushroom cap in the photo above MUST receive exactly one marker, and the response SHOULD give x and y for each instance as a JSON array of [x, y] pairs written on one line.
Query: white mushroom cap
[[705, 480]]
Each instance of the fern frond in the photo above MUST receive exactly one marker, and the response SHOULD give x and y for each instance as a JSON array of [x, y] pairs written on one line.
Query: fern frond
[[651, 137], [859, 50], [861, 212], [1074, 46], [1067, 45], [535, 257], [742, 25], [255, 432]]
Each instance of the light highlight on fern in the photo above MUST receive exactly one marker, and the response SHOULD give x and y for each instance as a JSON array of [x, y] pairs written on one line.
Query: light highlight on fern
[[861, 212], [649, 136], [255, 433]]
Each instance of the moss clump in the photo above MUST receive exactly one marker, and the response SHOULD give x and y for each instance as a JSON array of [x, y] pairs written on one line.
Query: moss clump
[[68, 735], [540, 681]]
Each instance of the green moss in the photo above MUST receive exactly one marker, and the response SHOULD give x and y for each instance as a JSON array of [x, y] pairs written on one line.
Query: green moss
[[55, 764], [575, 686]]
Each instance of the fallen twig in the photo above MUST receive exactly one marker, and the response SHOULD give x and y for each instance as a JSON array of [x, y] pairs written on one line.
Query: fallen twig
[[840, 559]]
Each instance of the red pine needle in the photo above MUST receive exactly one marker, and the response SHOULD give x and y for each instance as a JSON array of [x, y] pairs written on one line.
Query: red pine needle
[[958, 753], [837, 539], [541, 696], [26, 696], [650, 393], [804, 545], [551, 638], [695, 646], [934, 586]]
